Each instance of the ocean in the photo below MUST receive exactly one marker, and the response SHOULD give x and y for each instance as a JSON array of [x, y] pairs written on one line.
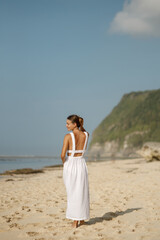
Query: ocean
[[35, 163], [12, 163]]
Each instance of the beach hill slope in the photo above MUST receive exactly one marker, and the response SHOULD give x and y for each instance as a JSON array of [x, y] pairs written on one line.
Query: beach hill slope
[[134, 121]]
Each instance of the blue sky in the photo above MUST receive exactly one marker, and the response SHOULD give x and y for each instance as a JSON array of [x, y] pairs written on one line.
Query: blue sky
[[70, 56]]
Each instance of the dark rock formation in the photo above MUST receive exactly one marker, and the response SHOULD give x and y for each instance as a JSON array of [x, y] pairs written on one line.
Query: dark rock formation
[[22, 171]]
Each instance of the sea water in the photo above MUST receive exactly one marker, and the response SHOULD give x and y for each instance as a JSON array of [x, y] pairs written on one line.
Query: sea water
[[35, 163]]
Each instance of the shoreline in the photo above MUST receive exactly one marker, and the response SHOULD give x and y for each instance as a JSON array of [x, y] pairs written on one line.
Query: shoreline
[[58, 166]]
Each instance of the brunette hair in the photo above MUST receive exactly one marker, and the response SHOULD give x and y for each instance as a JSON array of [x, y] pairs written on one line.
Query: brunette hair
[[78, 120]]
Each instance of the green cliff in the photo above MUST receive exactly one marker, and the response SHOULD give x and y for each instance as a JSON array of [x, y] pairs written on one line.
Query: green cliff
[[135, 120]]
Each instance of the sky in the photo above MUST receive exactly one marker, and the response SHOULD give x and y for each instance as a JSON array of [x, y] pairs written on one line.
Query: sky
[[62, 57]]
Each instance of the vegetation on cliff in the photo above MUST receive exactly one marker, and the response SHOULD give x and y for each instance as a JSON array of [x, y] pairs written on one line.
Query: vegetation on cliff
[[136, 118]]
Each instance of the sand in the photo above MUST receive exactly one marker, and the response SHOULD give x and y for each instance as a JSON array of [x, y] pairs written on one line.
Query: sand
[[124, 203]]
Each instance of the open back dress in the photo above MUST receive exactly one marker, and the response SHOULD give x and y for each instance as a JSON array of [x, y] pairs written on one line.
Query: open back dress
[[75, 177]]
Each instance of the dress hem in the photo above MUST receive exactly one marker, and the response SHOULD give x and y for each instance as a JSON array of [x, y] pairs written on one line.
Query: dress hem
[[77, 218]]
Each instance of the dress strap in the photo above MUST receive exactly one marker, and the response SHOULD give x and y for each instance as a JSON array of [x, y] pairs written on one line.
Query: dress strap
[[85, 144], [85, 141], [73, 144]]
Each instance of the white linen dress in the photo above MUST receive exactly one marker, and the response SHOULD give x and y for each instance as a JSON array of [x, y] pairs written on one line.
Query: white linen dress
[[75, 177]]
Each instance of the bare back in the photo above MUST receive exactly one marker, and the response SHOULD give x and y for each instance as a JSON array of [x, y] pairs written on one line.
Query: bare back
[[80, 138]]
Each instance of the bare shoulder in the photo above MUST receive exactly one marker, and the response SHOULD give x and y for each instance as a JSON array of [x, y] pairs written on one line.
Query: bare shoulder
[[67, 137]]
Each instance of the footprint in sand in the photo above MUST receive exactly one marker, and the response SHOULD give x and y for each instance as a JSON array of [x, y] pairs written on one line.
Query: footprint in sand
[[126, 198], [16, 213], [15, 225], [51, 215], [24, 207], [8, 219], [115, 226], [32, 234], [100, 234], [98, 229], [139, 224], [50, 228], [39, 210], [48, 200]]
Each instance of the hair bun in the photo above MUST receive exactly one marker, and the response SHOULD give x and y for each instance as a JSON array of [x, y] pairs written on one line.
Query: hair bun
[[81, 121]]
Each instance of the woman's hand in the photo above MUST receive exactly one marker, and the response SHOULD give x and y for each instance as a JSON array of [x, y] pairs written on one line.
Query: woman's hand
[[65, 147]]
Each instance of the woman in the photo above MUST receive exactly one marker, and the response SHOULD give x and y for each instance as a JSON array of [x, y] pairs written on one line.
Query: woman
[[75, 172]]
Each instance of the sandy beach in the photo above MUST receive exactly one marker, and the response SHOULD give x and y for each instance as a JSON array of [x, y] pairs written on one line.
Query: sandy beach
[[124, 203]]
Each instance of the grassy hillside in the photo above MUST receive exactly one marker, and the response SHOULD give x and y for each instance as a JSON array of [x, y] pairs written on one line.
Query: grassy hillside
[[137, 112]]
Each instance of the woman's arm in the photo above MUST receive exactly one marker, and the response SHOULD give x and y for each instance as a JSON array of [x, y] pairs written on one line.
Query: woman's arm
[[65, 147]]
